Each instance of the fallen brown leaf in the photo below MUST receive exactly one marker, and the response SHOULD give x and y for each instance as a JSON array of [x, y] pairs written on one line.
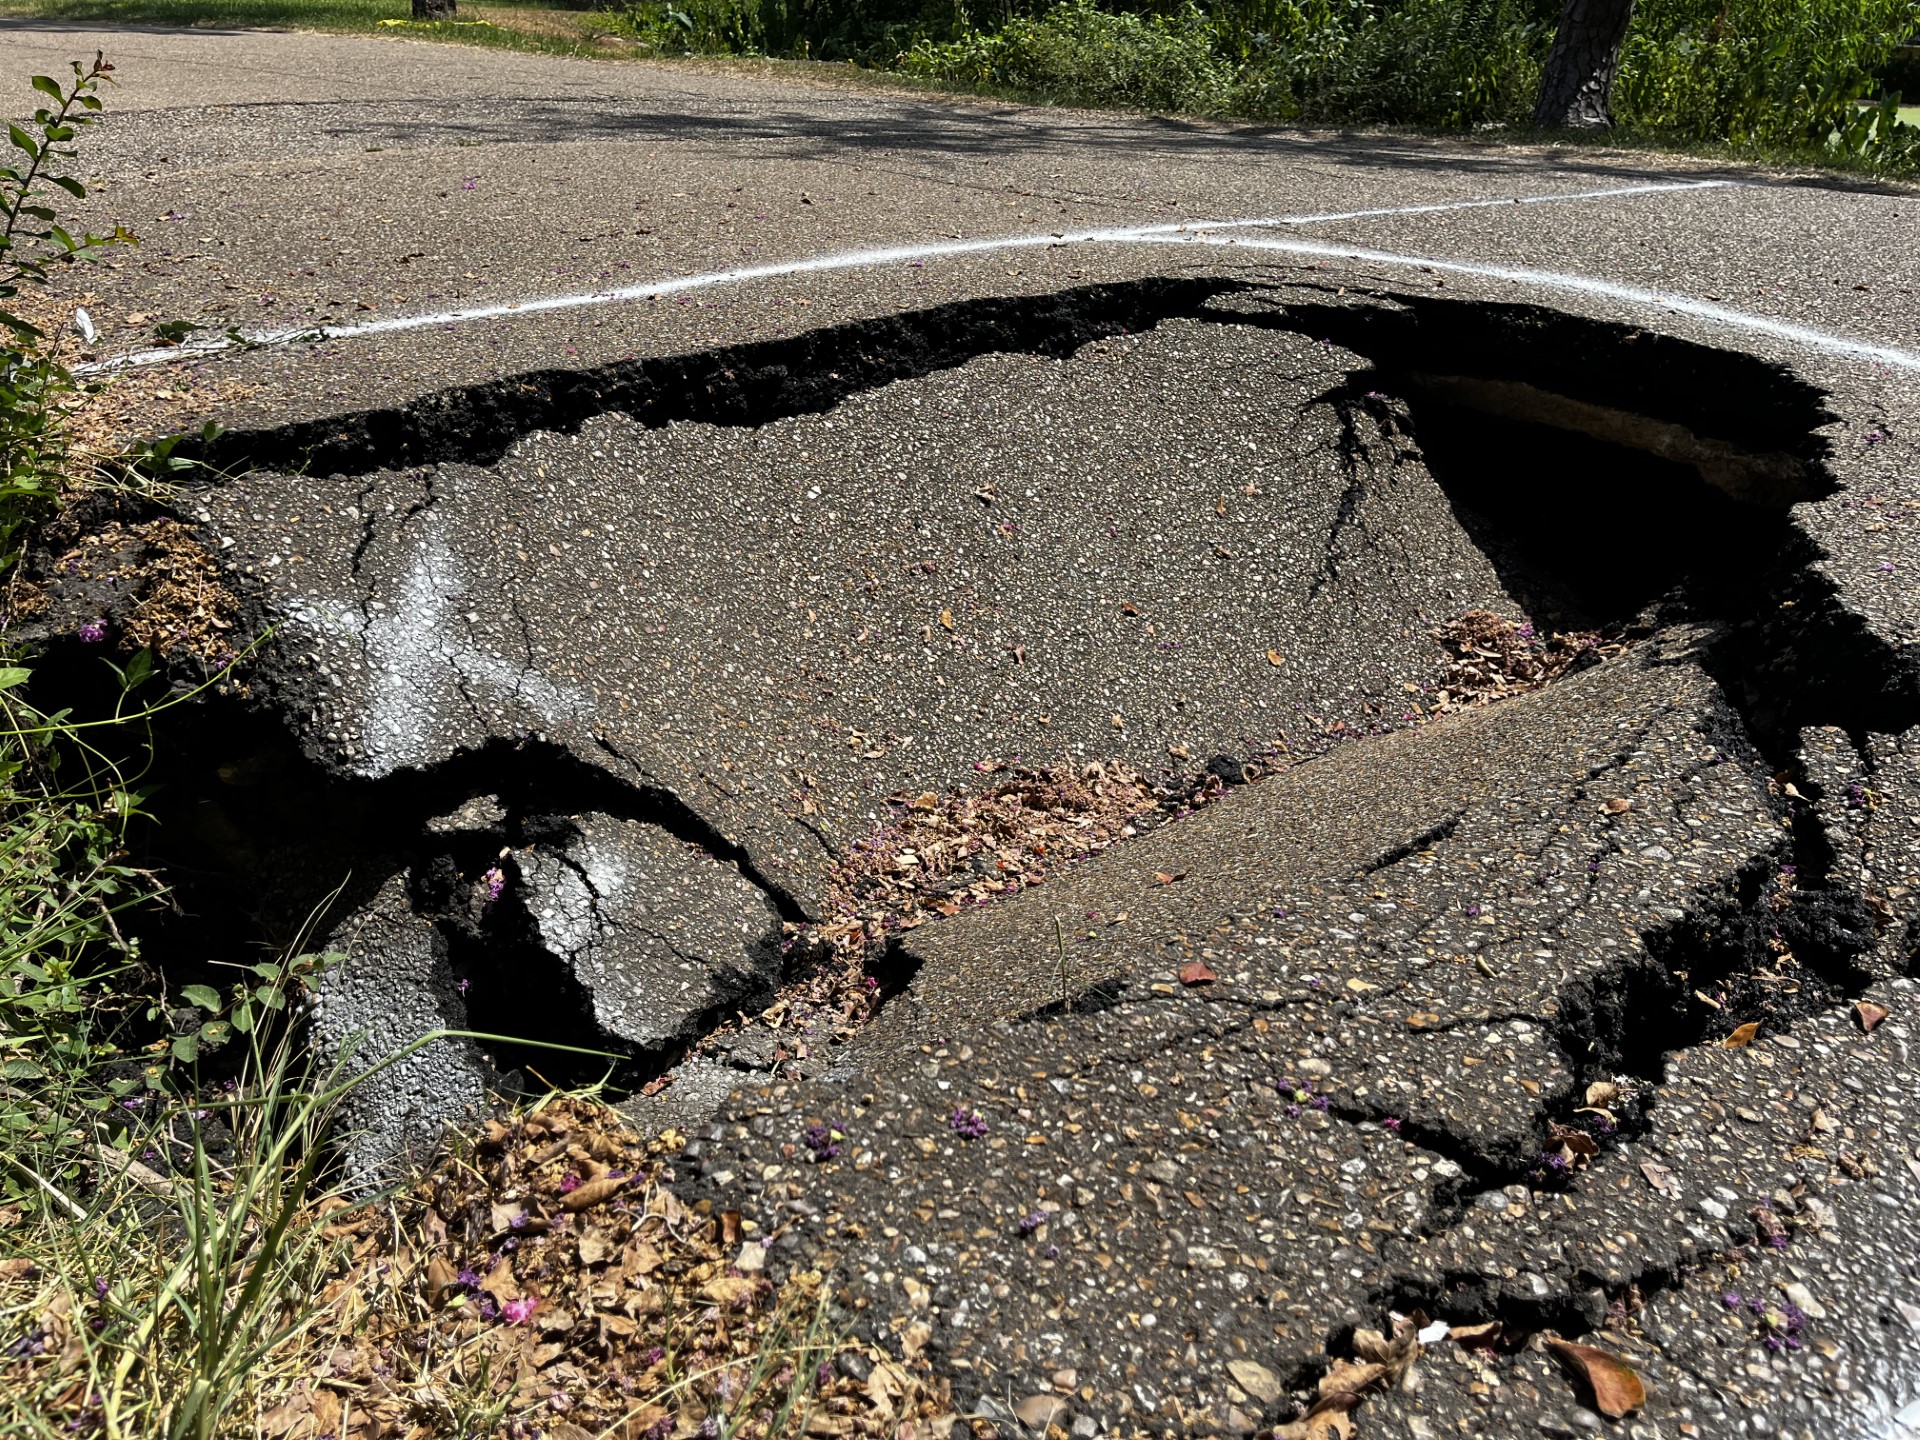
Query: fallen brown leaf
[[1613, 1384], [1473, 1336], [591, 1193], [1348, 1378], [1197, 972], [441, 1277], [1743, 1036], [1330, 1418]]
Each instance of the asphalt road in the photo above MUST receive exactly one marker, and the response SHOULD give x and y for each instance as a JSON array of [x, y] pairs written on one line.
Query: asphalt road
[[703, 457]]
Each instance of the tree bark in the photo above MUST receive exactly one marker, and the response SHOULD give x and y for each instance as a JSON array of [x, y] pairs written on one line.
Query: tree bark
[[1576, 91], [434, 9]]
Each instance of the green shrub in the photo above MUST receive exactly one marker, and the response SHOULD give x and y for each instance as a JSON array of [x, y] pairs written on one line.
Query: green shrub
[[1448, 64], [1764, 72], [1081, 55], [871, 31]]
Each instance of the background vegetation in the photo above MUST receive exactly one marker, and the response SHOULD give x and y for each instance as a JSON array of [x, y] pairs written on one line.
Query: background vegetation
[[1801, 77]]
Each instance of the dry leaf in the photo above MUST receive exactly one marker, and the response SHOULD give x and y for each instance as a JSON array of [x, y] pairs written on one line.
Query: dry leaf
[[1658, 1176], [1869, 1014], [1476, 1336], [441, 1277], [1743, 1036], [591, 1193], [1615, 1388], [1396, 1355], [729, 1228], [946, 619], [1348, 1378], [1329, 1419], [1273, 657], [728, 1289], [1602, 1092], [1197, 972], [1618, 805], [500, 1283], [327, 1408]]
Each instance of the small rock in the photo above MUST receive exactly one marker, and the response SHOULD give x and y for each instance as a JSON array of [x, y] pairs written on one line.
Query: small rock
[[1085, 1428], [1238, 1422], [1315, 1069], [1799, 1295], [752, 1258], [1065, 1380], [855, 1366], [1714, 1208], [1037, 1412], [1258, 1381]]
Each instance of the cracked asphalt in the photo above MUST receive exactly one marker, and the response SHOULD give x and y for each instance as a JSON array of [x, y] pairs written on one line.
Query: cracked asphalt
[[743, 561]]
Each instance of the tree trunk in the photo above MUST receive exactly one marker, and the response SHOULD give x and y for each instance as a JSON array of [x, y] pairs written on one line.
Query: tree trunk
[[434, 9], [1576, 92]]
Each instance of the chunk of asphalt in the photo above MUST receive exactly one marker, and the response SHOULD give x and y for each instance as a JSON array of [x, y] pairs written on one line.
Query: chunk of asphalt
[[1301, 1130], [1463, 985], [1188, 539], [659, 932], [1098, 1192], [393, 988]]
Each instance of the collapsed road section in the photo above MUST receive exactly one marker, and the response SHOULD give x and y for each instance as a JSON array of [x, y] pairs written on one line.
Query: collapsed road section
[[585, 688]]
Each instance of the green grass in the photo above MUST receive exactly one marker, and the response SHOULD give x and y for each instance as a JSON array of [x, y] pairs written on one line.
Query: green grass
[[550, 29]]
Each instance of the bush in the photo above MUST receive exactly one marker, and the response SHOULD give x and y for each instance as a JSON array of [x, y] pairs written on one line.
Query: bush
[[1080, 55], [871, 31], [1764, 72], [1449, 64]]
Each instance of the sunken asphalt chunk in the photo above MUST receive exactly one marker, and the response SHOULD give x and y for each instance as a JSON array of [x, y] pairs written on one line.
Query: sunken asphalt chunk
[[659, 932], [1418, 959]]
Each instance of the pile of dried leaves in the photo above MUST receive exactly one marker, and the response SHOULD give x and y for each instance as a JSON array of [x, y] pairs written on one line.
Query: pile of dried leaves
[[940, 853], [1490, 657], [937, 855], [547, 1281], [149, 585]]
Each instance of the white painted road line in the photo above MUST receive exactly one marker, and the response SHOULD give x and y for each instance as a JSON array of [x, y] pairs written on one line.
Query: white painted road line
[[1707, 310], [847, 260], [1189, 233]]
